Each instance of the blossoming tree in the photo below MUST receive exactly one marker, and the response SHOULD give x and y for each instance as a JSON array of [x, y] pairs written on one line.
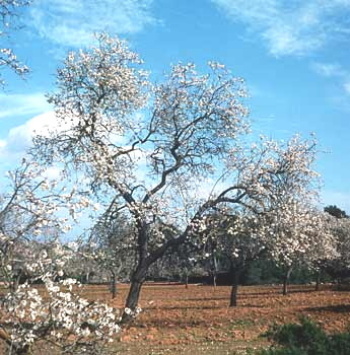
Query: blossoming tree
[[29, 226], [147, 148], [111, 245], [295, 231]]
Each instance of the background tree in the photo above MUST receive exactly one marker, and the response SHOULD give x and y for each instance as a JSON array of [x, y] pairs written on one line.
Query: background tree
[[300, 237], [112, 243], [237, 239], [335, 211], [339, 266]]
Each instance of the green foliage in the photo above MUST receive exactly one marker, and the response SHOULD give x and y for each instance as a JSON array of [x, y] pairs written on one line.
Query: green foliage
[[264, 271], [306, 338], [335, 211]]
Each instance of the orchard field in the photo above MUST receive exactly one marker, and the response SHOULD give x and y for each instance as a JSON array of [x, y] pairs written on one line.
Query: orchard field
[[197, 320], [118, 172]]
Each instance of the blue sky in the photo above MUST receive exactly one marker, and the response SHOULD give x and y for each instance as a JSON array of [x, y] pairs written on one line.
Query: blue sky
[[294, 56]]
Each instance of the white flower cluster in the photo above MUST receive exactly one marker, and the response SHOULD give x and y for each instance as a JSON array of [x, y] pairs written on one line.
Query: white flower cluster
[[58, 314]]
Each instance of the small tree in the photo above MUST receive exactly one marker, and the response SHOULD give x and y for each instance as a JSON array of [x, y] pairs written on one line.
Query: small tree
[[339, 266], [335, 211], [301, 238], [237, 238], [29, 227], [113, 247]]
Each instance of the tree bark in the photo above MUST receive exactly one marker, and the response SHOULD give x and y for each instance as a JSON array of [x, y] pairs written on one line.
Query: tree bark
[[15, 349], [113, 285], [318, 279], [215, 268], [235, 284], [145, 261], [132, 300], [286, 280]]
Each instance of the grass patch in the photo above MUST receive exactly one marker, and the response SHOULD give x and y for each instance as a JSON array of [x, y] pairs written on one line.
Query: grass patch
[[306, 338]]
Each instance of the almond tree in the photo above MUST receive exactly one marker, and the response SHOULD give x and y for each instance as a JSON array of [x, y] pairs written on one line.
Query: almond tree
[[238, 238], [282, 219], [339, 266], [148, 147], [295, 231], [112, 248], [30, 206], [300, 236]]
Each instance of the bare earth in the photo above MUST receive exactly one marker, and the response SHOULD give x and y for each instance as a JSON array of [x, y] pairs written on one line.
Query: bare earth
[[197, 320]]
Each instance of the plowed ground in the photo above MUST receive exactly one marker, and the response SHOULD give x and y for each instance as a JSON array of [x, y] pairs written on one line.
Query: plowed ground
[[197, 319]]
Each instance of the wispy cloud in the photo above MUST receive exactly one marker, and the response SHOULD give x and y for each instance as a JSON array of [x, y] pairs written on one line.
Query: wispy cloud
[[330, 70], [290, 27], [17, 105], [18, 108], [339, 75], [73, 22], [19, 138]]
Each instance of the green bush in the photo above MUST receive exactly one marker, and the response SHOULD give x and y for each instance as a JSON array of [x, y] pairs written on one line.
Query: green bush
[[306, 338]]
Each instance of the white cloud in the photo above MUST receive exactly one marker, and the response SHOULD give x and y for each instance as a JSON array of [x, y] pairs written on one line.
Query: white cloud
[[14, 146], [347, 87], [19, 138], [73, 22], [22, 104], [329, 70], [337, 72], [290, 27]]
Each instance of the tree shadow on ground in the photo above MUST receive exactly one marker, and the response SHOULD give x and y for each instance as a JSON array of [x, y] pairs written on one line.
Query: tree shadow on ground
[[340, 308]]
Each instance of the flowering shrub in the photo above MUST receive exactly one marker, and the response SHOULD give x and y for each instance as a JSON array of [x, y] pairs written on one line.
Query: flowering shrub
[[59, 315]]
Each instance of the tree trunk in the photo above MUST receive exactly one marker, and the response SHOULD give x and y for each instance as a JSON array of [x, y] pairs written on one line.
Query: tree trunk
[[13, 348], [234, 290], [113, 285], [286, 280], [87, 277], [215, 268], [132, 300], [23, 351], [318, 279], [145, 260], [186, 281]]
